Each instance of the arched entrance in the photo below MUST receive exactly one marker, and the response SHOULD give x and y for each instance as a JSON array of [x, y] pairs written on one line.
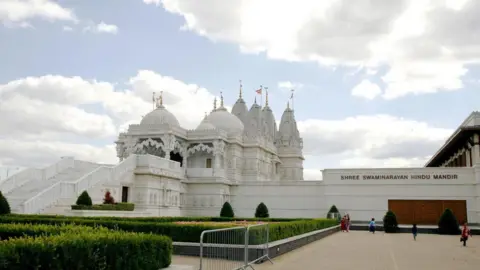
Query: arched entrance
[[176, 156]]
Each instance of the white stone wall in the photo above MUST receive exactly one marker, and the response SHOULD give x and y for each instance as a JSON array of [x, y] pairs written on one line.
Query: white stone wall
[[364, 199]]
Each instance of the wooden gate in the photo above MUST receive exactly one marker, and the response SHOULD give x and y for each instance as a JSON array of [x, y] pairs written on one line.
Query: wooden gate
[[426, 212]]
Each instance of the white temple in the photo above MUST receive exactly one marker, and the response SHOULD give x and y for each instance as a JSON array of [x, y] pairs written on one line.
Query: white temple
[[241, 157], [244, 145]]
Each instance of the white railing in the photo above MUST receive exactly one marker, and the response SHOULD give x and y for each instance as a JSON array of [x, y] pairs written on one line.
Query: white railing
[[26, 175], [205, 172], [61, 190]]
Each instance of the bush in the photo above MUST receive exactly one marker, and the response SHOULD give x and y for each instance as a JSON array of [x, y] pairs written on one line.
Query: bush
[[84, 199], [8, 231], [106, 207], [262, 211], [334, 210], [108, 199], [390, 224], [100, 250], [178, 232], [448, 223], [4, 206], [227, 211]]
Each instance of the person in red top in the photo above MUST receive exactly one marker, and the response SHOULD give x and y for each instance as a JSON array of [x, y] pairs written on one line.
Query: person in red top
[[343, 224], [465, 234]]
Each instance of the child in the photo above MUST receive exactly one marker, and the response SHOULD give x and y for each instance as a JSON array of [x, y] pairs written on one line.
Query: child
[[465, 233], [414, 232], [371, 226]]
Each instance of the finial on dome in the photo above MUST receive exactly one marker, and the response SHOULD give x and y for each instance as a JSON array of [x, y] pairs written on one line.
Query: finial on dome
[[215, 104], [240, 95], [266, 96], [160, 100], [288, 105], [221, 99], [255, 101]]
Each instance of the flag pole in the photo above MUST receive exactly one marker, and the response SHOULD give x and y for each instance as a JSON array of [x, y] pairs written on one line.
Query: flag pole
[[153, 100], [292, 97]]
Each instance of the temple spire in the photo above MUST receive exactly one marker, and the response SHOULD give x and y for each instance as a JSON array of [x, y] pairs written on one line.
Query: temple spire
[[288, 105], [215, 104], [266, 96], [255, 101], [240, 94], [221, 99]]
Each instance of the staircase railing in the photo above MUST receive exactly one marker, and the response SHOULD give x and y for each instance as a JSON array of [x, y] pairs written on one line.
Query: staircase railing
[[63, 190], [21, 178]]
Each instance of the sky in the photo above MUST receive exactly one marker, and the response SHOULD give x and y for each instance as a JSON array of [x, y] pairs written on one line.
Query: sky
[[378, 83]]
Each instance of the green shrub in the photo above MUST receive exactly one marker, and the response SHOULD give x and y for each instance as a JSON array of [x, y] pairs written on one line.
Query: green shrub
[[261, 211], [4, 206], [390, 224], [279, 228], [333, 210], [14, 230], [84, 199], [106, 207], [87, 251], [227, 211], [282, 230], [448, 223]]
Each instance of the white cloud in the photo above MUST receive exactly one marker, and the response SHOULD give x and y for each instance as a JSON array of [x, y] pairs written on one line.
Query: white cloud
[[366, 89], [412, 38], [288, 85], [67, 29], [21, 11], [46, 117], [102, 28]]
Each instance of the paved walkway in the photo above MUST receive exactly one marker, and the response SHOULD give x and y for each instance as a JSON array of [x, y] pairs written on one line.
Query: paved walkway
[[362, 250]]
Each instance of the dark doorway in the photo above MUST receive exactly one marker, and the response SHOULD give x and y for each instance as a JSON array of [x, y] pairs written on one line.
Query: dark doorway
[[124, 194], [176, 157]]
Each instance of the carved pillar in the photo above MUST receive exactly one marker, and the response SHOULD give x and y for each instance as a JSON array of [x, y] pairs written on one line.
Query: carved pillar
[[476, 149], [168, 144], [218, 151]]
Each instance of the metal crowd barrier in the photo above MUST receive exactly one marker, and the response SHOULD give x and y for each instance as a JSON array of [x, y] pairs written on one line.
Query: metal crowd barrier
[[234, 248]]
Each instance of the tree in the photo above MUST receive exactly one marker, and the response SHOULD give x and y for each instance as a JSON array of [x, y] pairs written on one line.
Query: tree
[[227, 211], [448, 223], [333, 210], [108, 199], [262, 211], [390, 224], [4, 206], [84, 199]]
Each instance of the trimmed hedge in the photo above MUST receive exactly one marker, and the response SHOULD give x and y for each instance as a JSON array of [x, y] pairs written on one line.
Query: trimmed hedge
[[106, 207], [279, 231], [84, 199], [162, 219], [87, 251], [178, 232], [16, 230]]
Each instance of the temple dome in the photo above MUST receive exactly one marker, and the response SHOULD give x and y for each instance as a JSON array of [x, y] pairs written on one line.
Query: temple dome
[[226, 121], [160, 116], [205, 124]]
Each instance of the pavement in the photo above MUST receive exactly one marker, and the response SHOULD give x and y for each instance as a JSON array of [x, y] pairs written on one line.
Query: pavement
[[363, 250]]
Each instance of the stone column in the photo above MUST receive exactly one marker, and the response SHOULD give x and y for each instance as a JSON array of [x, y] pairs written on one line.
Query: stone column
[[476, 149], [218, 151]]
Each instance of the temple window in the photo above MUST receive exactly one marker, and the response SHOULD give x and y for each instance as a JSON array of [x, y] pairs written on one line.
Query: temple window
[[208, 163]]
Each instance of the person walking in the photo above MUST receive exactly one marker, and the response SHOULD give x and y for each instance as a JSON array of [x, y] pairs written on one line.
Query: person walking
[[465, 234], [348, 222], [414, 231], [343, 226], [371, 226]]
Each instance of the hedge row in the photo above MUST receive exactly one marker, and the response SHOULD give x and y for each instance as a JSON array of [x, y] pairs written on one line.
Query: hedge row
[[181, 232], [15, 230], [163, 219], [106, 207], [106, 250]]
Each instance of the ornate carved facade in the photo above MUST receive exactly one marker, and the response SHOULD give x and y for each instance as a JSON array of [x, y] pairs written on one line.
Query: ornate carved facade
[[244, 145]]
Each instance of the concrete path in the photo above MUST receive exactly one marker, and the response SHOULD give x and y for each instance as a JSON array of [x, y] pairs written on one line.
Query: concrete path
[[362, 250]]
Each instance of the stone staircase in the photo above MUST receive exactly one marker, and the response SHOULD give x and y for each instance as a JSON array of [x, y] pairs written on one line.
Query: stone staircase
[[21, 194]]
